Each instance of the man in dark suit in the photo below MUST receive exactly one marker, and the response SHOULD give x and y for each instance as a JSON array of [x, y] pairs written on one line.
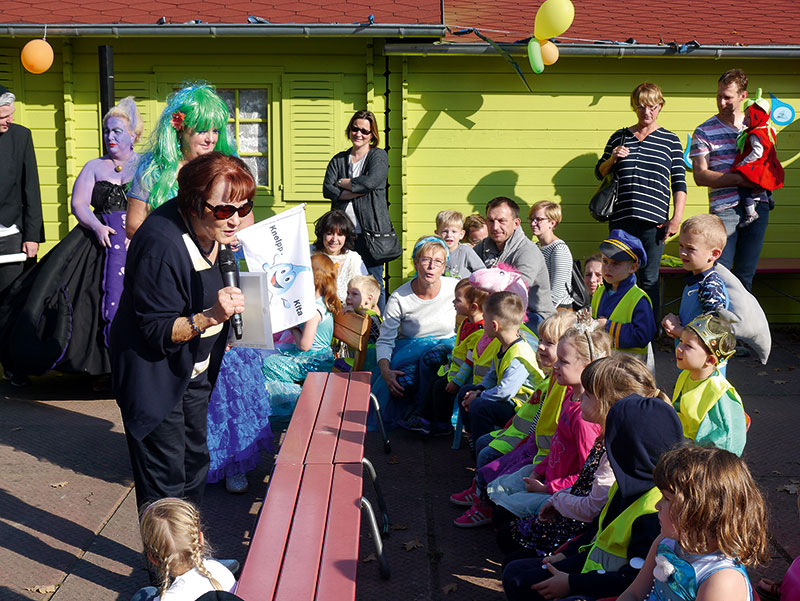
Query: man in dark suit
[[21, 227]]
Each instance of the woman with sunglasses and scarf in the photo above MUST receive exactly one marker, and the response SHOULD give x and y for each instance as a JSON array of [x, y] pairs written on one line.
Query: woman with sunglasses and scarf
[[355, 183], [170, 330]]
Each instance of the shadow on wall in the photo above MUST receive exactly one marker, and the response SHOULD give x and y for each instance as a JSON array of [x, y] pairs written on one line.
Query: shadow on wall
[[491, 185], [459, 107]]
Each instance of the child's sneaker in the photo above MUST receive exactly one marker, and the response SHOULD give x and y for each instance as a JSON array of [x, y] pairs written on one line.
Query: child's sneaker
[[748, 219], [441, 429], [479, 514], [466, 498], [416, 423]]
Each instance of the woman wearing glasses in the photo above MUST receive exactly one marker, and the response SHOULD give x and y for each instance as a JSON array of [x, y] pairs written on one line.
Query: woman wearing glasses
[[170, 331], [417, 332], [649, 163], [355, 183]]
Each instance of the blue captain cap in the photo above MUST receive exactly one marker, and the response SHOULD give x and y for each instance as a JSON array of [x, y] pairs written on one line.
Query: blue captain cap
[[622, 246]]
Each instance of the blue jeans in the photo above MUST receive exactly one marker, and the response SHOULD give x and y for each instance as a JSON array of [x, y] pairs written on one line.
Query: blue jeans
[[744, 245], [485, 453]]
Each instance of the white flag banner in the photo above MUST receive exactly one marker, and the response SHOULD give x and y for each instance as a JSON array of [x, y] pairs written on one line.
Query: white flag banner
[[278, 246]]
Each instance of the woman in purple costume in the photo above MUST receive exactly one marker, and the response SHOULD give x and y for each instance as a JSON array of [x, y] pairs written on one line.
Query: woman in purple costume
[[57, 315]]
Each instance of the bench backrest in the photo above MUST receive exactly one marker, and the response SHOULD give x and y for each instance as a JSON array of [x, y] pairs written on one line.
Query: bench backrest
[[353, 329]]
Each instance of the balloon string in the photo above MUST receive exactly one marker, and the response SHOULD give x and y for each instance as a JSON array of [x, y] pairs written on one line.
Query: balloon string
[[45, 32]]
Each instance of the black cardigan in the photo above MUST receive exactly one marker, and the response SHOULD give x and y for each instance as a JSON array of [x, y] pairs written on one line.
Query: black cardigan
[[151, 372], [371, 209]]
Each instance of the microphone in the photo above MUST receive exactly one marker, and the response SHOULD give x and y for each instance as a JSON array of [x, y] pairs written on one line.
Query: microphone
[[230, 277]]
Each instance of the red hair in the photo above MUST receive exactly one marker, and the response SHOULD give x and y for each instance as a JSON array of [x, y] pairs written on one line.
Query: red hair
[[197, 178], [325, 282]]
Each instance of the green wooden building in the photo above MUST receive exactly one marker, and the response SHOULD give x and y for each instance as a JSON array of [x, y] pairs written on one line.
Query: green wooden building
[[458, 122]]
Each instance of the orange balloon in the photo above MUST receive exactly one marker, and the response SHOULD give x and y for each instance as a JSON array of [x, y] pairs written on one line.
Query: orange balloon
[[37, 56], [549, 52]]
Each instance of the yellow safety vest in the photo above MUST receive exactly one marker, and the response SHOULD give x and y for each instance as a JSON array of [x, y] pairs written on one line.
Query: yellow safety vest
[[609, 550], [549, 412], [693, 405], [622, 314], [460, 350], [508, 439], [523, 352], [483, 362]]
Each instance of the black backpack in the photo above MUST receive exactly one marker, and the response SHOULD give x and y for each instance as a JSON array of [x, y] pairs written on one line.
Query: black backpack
[[577, 288]]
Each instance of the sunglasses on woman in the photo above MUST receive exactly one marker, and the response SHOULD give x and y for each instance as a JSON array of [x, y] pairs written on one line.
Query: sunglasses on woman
[[226, 211], [364, 132]]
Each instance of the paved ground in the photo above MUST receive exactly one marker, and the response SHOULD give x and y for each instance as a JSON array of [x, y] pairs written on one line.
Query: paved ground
[[68, 520]]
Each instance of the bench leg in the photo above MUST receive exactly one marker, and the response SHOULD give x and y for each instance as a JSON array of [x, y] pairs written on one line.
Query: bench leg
[[376, 538], [387, 446], [378, 494]]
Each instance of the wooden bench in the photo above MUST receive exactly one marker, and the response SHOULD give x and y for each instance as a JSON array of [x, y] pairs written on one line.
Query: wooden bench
[[766, 266], [353, 330], [306, 541]]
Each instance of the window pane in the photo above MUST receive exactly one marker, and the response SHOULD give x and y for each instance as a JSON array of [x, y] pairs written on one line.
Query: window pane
[[252, 104], [231, 132], [252, 137], [258, 167], [230, 99]]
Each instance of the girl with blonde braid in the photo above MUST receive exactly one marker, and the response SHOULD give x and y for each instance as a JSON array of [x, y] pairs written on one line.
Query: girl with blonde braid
[[173, 541]]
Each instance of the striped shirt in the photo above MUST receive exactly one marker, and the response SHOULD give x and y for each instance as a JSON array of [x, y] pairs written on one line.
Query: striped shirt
[[718, 141], [653, 167], [558, 259]]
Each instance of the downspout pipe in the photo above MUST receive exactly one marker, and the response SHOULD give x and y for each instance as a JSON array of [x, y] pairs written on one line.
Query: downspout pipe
[[114, 30], [588, 50]]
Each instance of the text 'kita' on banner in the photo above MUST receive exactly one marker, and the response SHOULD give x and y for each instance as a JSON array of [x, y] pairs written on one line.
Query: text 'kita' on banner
[[279, 247]]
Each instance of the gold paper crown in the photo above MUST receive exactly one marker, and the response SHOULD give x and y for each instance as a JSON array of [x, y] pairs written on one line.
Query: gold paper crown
[[716, 335]]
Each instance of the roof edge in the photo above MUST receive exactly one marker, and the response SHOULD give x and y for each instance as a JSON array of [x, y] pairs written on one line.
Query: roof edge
[[613, 50], [118, 30]]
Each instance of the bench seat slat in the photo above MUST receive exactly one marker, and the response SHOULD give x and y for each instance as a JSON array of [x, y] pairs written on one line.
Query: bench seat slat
[[339, 565], [259, 576], [354, 424], [298, 435], [300, 569], [325, 435]]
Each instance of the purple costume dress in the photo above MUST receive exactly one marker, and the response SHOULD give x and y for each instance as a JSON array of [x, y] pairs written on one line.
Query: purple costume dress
[[57, 315]]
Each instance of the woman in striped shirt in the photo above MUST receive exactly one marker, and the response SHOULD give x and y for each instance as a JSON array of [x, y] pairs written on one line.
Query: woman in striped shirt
[[649, 164]]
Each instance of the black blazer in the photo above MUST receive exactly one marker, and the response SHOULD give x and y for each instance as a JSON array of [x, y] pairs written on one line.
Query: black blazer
[[20, 199]]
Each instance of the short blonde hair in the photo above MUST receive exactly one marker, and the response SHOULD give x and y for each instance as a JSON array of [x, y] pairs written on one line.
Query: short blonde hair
[[552, 210], [709, 227], [368, 284], [647, 94], [580, 338], [474, 222], [445, 218], [505, 307], [553, 327]]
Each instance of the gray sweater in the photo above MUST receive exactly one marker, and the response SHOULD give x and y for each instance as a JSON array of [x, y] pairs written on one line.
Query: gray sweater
[[525, 257]]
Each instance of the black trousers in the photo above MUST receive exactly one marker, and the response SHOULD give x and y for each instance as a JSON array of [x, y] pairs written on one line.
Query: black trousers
[[172, 461], [438, 405]]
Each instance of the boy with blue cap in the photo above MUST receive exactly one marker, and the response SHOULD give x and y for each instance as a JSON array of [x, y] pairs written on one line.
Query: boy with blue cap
[[620, 306]]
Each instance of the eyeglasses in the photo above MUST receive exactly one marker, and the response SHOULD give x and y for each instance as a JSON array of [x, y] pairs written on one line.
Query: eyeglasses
[[539, 219], [648, 109], [364, 132], [428, 261], [226, 211]]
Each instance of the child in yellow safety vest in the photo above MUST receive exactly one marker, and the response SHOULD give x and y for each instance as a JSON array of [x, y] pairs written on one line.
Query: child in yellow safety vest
[[705, 543], [437, 407], [638, 431], [708, 406], [621, 307], [531, 420]]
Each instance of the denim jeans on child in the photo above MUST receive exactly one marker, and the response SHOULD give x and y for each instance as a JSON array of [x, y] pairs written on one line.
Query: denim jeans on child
[[744, 245]]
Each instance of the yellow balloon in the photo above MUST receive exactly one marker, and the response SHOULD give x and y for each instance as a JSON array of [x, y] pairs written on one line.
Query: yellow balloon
[[553, 18], [37, 56], [549, 52]]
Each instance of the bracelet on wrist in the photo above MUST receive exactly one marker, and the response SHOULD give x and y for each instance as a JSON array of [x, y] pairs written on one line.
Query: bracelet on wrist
[[193, 324]]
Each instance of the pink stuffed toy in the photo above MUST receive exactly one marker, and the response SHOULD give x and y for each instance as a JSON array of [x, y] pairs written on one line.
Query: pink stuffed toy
[[499, 278]]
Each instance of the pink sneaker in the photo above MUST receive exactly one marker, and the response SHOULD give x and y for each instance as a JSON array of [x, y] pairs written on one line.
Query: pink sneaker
[[479, 514], [466, 498]]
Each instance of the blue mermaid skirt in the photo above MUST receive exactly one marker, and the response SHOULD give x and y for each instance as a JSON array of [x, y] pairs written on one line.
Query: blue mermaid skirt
[[285, 372], [238, 415], [420, 360]]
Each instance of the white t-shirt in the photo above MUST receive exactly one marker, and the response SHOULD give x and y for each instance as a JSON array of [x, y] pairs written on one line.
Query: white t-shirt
[[356, 167], [192, 584]]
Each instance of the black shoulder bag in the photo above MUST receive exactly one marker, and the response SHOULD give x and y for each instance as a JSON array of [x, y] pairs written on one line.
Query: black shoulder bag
[[601, 206]]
